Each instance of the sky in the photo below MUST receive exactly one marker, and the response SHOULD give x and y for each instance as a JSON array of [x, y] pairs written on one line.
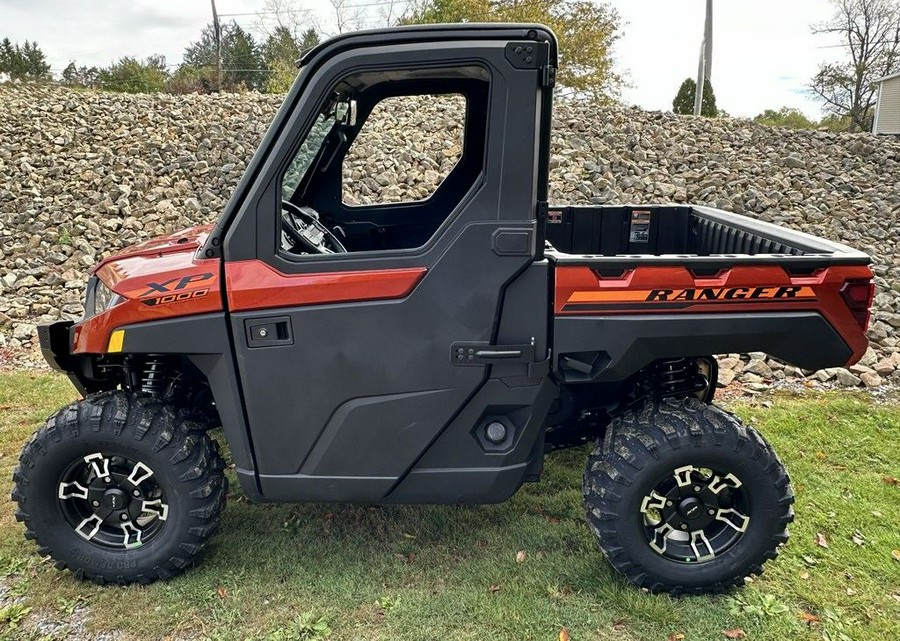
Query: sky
[[763, 51]]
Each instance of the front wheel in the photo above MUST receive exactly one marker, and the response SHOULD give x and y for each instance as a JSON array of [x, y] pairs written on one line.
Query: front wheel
[[683, 498], [119, 488]]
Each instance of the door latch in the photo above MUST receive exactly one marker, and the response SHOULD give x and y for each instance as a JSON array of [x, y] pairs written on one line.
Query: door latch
[[483, 353], [266, 332]]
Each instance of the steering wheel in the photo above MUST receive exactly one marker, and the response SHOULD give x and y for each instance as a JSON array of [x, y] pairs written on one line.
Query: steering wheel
[[301, 225]]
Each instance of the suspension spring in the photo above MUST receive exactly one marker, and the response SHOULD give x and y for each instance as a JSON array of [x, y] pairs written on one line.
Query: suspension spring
[[676, 375], [154, 377]]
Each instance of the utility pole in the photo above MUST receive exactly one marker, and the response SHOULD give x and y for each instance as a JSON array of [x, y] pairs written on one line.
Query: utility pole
[[704, 68], [218, 31]]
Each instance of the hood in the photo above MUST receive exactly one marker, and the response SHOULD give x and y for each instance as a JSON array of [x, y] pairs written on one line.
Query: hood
[[186, 240], [159, 265]]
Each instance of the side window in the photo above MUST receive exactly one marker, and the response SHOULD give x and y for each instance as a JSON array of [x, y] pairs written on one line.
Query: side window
[[405, 150], [385, 162]]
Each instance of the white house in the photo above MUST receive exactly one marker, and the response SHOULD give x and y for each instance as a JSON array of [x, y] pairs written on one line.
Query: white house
[[887, 107]]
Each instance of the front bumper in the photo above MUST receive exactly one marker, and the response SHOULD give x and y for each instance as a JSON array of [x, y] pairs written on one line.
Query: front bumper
[[56, 348], [56, 343]]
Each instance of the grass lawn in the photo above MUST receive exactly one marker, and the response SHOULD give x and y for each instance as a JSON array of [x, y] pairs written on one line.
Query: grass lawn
[[282, 573]]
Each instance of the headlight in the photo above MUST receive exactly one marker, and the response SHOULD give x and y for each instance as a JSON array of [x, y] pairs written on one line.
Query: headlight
[[99, 298]]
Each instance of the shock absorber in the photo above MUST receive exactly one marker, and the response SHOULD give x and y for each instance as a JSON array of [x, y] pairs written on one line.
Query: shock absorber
[[155, 376], [678, 377]]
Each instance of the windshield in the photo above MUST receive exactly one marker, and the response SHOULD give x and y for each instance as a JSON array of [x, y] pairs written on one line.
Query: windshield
[[334, 111]]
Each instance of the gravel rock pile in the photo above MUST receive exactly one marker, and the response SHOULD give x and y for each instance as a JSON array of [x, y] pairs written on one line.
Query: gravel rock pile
[[84, 174]]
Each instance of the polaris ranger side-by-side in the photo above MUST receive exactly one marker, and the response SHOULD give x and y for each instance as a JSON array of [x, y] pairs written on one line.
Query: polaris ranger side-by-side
[[432, 349]]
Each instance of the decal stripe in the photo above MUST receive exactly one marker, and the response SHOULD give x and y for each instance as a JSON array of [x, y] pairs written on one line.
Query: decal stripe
[[650, 306], [253, 284]]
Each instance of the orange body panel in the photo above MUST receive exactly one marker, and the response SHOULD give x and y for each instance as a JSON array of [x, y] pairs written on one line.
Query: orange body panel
[[579, 290], [252, 284], [159, 279]]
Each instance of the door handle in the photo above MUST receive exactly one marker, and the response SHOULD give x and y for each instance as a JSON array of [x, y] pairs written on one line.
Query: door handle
[[268, 332], [483, 353]]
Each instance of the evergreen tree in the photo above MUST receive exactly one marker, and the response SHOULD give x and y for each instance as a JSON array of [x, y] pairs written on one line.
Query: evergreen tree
[[242, 58], [25, 62], [684, 99], [279, 54], [130, 75]]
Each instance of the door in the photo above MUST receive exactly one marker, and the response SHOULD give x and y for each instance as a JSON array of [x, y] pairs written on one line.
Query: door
[[355, 344]]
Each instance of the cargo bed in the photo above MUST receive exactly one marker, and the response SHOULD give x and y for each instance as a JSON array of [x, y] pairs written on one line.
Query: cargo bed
[[687, 235]]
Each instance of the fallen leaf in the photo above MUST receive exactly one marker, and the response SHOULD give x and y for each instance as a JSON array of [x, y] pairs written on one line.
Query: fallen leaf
[[222, 591], [563, 634], [520, 558], [675, 636], [858, 538], [411, 557], [820, 455], [735, 633], [408, 535], [890, 480], [808, 618], [809, 560], [493, 588], [877, 514], [820, 540], [619, 625], [851, 592], [895, 554], [804, 575], [553, 520]]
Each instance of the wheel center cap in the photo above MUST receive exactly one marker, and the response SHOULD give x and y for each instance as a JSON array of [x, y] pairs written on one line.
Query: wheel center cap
[[115, 499], [691, 507]]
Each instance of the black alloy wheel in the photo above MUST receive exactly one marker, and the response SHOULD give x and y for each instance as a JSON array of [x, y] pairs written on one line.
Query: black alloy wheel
[[685, 499]]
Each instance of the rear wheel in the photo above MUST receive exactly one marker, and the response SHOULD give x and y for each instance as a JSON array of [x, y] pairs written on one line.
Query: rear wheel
[[683, 498], [119, 488]]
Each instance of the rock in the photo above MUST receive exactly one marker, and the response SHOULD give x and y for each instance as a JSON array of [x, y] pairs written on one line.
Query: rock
[[846, 379], [726, 377], [759, 367], [870, 379], [24, 331], [794, 161]]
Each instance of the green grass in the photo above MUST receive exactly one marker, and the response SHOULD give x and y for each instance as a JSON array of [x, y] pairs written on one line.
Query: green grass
[[280, 573]]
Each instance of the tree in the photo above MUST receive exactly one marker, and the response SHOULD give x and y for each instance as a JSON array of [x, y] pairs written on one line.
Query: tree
[[130, 75], [586, 30], [279, 54], [242, 64], [24, 62], [309, 39], [869, 31], [787, 117], [75, 76], [684, 99]]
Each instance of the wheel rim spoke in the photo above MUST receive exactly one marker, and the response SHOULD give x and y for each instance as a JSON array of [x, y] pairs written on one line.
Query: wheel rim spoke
[[718, 483], [157, 508], [660, 537], [683, 475], [73, 490], [139, 474], [99, 463], [85, 531], [698, 542], [653, 501], [132, 535], [733, 519]]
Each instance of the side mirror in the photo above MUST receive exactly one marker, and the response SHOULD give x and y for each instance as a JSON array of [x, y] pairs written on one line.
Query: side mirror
[[345, 113]]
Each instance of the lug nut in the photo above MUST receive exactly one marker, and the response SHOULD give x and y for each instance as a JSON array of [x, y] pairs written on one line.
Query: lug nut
[[668, 503], [684, 526], [95, 503], [696, 488], [107, 480], [124, 517], [710, 512], [137, 492]]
